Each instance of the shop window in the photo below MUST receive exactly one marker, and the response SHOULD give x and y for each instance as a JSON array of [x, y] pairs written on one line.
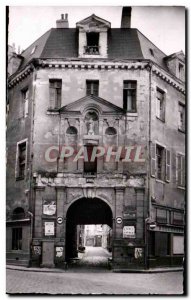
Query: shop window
[[17, 238], [180, 170], [160, 104], [162, 244], [129, 95], [21, 160], [181, 110], [55, 91], [92, 87], [178, 244], [25, 97], [92, 47], [151, 243]]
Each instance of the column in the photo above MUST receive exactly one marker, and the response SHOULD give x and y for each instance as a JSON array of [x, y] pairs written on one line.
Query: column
[[38, 232]]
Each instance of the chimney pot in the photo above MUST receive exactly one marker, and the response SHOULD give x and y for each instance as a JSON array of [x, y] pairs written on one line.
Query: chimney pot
[[63, 22]]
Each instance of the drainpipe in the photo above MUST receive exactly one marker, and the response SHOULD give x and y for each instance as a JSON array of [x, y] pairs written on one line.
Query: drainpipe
[[148, 171], [31, 198], [31, 235]]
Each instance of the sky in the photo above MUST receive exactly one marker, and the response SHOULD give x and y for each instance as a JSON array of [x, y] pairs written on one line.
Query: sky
[[163, 25]]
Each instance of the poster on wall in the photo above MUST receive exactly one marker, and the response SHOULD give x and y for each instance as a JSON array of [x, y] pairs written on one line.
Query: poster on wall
[[49, 207], [59, 251], [49, 228], [129, 232], [178, 244]]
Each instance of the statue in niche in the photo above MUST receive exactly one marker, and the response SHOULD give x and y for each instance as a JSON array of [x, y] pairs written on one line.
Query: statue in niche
[[91, 121], [91, 127]]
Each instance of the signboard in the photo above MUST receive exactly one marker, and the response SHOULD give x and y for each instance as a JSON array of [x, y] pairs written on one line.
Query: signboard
[[129, 232], [119, 220], [59, 220], [49, 228], [49, 207], [59, 251]]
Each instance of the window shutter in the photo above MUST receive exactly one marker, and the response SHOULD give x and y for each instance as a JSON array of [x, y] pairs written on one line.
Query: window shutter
[[179, 171], [26, 107], [168, 165], [153, 159], [95, 88], [88, 87], [183, 170], [52, 97], [125, 99], [163, 106]]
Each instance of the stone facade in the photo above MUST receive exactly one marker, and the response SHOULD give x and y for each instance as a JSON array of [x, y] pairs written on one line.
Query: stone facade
[[127, 192]]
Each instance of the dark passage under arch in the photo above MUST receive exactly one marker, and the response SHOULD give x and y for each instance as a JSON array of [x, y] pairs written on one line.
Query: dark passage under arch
[[84, 211]]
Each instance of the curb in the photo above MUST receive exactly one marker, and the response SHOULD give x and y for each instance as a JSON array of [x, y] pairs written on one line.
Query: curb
[[48, 270], [148, 271]]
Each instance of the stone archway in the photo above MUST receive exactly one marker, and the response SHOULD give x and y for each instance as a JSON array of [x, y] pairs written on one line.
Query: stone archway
[[85, 211]]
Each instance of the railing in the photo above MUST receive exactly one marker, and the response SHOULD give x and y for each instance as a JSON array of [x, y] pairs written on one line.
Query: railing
[[91, 50]]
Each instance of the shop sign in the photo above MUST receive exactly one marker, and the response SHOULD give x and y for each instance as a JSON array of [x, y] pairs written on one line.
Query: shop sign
[[49, 228], [59, 251], [129, 232]]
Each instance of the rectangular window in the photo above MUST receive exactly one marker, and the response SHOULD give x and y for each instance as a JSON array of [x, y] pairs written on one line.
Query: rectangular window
[[21, 162], [90, 167], [177, 218], [181, 71], [129, 96], [16, 238], [160, 162], [181, 110], [160, 104], [180, 166], [55, 92], [161, 216], [92, 87], [92, 47], [25, 96]]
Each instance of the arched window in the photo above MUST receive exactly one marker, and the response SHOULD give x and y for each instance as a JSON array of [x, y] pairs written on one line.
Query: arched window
[[110, 136], [18, 213], [110, 131], [72, 130], [91, 120]]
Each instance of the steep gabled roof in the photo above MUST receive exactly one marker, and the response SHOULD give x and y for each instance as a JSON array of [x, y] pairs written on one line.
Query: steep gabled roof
[[123, 44]]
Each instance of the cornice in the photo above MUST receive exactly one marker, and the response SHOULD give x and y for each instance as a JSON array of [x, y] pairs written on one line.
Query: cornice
[[101, 65]]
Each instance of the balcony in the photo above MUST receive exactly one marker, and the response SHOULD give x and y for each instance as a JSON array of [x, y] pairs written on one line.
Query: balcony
[[91, 50]]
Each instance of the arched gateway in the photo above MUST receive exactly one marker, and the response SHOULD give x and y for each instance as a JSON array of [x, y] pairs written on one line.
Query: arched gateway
[[84, 211]]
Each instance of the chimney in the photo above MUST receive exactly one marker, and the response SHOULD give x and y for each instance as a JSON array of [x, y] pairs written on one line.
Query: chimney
[[126, 17], [63, 22]]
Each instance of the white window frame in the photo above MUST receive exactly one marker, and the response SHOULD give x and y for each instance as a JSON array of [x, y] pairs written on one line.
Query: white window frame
[[17, 158], [158, 115]]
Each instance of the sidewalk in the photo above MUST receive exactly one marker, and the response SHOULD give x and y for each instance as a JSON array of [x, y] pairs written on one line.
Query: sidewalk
[[56, 270]]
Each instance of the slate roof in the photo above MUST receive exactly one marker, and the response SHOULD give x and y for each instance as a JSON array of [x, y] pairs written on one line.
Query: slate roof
[[123, 43]]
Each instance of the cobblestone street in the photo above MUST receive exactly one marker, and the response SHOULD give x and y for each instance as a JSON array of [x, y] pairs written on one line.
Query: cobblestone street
[[89, 275]]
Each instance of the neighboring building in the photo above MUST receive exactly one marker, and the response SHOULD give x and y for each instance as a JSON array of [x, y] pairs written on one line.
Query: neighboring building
[[95, 86]]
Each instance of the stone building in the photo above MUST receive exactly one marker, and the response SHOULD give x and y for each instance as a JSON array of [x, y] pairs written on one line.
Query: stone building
[[110, 93]]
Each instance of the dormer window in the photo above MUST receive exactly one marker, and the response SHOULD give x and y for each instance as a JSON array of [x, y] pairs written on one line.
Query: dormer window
[[92, 47], [93, 37]]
